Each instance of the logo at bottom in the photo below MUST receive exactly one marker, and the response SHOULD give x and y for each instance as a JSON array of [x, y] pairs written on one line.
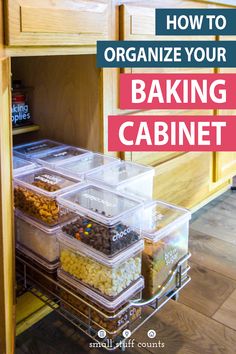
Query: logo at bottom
[[102, 333], [126, 333]]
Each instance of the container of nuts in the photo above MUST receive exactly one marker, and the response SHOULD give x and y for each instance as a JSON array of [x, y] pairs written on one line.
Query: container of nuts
[[113, 316], [35, 193], [108, 276], [107, 221]]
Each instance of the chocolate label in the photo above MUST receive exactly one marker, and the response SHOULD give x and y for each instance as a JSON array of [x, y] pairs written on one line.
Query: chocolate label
[[121, 234]]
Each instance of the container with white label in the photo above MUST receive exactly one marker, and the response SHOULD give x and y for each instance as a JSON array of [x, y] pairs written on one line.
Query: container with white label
[[35, 194], [107, 221], [165, 229]]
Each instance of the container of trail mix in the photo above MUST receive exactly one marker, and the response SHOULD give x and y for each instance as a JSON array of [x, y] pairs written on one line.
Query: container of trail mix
[[165, 229], [36, 192]]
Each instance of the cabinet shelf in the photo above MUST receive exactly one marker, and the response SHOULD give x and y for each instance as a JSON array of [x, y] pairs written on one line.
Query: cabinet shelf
[[26, 129]]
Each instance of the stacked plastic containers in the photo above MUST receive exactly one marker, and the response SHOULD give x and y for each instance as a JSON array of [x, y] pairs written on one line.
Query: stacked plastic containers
[[165, 229], [101, 249], [38, 216]]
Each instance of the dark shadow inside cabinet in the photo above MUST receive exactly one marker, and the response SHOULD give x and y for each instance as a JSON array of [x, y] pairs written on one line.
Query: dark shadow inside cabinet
[[65, 93]]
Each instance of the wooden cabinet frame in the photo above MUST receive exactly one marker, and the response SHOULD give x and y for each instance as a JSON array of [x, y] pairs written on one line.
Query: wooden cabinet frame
[[7, 308]]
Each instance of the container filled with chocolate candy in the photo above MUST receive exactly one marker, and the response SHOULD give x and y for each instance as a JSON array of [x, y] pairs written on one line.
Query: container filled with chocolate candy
[[108, 276], [52, 159], [107, 221], [113, 316], [35, 193], [165, 229]]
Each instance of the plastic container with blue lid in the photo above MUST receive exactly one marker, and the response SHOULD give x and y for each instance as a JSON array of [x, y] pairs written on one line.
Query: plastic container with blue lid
[[30, 150]]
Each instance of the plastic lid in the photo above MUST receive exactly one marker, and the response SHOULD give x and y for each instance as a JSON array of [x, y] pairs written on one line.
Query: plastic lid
[[84, 164], [86, 251], [50, 267], [66, 153], [159, 218], [119, 173], [46, 181], [99, 203], [21, 165], [110, 305], [42, 226], [35, 147]]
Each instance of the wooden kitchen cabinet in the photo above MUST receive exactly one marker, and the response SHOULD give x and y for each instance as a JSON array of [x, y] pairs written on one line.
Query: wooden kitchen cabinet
[[57, 23], [184, 180]]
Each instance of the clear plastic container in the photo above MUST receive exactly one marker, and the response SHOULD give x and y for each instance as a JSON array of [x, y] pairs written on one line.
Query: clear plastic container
[[107, 276], [165, 230], [107, 221], [126, 177], [35, 194], [109, 305], [113, 320], [84, 164], [62, 155], [30, 150], [21, 165], [38, 238]]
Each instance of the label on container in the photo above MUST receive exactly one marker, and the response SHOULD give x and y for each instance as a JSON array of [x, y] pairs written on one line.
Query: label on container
[[121, 234], [99, 200], [50, 179], [36, 147], [171, 256], [20, 113]]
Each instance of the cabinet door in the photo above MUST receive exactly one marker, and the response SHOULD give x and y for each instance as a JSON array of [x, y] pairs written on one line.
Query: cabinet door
[[7, 275], [184, 180], [58, 22]]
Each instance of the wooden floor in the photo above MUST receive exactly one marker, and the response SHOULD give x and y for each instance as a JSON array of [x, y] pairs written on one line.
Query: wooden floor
[[204, 319]]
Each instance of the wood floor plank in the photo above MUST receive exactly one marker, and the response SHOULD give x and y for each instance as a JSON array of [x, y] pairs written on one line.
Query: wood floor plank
[[207, 290], [212, 219], [186, 331], [212, 253], [227, 312]]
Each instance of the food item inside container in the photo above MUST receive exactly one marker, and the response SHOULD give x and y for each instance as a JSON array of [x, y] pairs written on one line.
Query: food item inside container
[[37, 205], [102, 320], [35, 194], [165, 230], [159, 259], [108, 240], [109, 281]]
